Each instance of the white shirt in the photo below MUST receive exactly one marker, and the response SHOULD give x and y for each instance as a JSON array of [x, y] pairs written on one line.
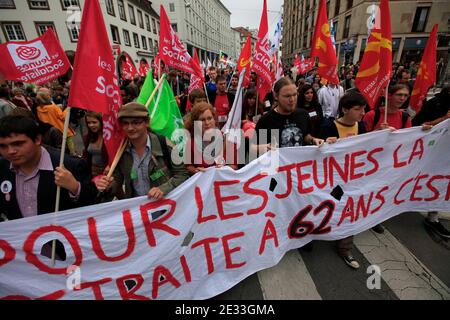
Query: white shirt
[[329, 100]]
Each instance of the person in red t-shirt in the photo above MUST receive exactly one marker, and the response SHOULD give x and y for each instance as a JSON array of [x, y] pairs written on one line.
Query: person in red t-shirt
[[222, 101], [197, 157], [396, 119]]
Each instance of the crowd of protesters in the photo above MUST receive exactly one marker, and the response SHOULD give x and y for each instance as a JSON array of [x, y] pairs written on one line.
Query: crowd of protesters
[[298, 112]]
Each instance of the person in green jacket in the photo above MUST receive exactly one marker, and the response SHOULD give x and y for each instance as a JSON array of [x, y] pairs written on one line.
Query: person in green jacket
[[146, 166]]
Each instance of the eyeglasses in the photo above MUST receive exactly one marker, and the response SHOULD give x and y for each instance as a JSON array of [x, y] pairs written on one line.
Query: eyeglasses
[[133, 123]]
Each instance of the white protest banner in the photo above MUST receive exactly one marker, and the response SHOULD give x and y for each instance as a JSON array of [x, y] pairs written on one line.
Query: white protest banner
[[221, 226]]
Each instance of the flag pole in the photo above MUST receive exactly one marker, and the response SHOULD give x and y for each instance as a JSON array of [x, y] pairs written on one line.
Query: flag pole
[[386, 104], [156, 102], [159, 69], [117, 157], [61, 164], [154, 90]]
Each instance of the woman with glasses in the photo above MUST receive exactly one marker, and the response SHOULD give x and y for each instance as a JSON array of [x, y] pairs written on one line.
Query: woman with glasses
[[396, 118]]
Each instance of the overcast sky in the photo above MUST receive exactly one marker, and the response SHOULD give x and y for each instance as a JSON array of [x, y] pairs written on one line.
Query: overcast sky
[[247, 13]]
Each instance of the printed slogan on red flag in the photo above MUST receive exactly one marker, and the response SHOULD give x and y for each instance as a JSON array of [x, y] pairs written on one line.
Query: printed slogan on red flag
[[261, 59], [95, 85], [38, 61]]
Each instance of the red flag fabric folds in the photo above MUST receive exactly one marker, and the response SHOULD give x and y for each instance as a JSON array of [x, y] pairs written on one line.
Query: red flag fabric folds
[[37, 61], [171, 50], [244, 61], [128, 68], [261, 60], [426, 76], [143, 68], [376, 66], [322, 47], [95, 85]]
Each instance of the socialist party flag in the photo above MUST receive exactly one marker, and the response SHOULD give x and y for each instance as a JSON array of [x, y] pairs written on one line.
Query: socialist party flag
[[165, 116], [244, 60], [426, 75], [143, 68], [95, 85], [261, 61], [323, 48], [128, 68], [303, 65], [376, 66], [171, 50], [196, 81], [280, 71], [37, 61]]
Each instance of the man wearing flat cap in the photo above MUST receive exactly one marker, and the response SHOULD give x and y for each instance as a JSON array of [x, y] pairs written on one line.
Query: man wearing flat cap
[[146, 167]]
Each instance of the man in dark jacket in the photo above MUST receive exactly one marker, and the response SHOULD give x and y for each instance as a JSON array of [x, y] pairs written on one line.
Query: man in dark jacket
[[30, 173], [146, 166]]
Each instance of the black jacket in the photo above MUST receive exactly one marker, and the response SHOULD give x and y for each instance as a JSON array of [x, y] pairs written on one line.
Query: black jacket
[[46, 196]]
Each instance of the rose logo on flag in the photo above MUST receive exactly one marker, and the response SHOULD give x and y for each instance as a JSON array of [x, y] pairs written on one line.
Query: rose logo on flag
[[24, 54], [244, 62], [28, 53]]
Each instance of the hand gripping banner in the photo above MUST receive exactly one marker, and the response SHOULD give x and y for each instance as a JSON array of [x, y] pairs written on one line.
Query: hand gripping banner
[[221, 226]]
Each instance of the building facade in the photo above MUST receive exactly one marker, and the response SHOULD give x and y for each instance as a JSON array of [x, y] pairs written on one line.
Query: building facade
[[132, 25], [411, 23], [244, 33], [200, 24]]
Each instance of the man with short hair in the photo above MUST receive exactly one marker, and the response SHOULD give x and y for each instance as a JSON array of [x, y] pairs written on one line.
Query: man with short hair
[[146, 166], [30, 173], [222, 101], [211, 87]]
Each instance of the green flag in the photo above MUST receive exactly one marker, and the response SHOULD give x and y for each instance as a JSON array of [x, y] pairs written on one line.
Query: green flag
[[147, 89], [167, 117]]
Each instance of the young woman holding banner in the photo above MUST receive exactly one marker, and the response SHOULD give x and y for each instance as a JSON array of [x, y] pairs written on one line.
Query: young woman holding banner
[[349, 123], [195, 148]]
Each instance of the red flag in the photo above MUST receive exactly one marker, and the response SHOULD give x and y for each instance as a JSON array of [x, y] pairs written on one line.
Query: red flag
[[426, 76], [376, 66], [305, 65], [280, 71], [244, 61], [37, 61], [160, 66], [322, 47], [171, 50], [273, 67], [261, 61], [128, 68], [95, 85], [196, 80], [143, 68]]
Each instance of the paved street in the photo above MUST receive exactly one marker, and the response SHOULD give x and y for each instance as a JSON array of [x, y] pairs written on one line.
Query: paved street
[[414, 263]]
